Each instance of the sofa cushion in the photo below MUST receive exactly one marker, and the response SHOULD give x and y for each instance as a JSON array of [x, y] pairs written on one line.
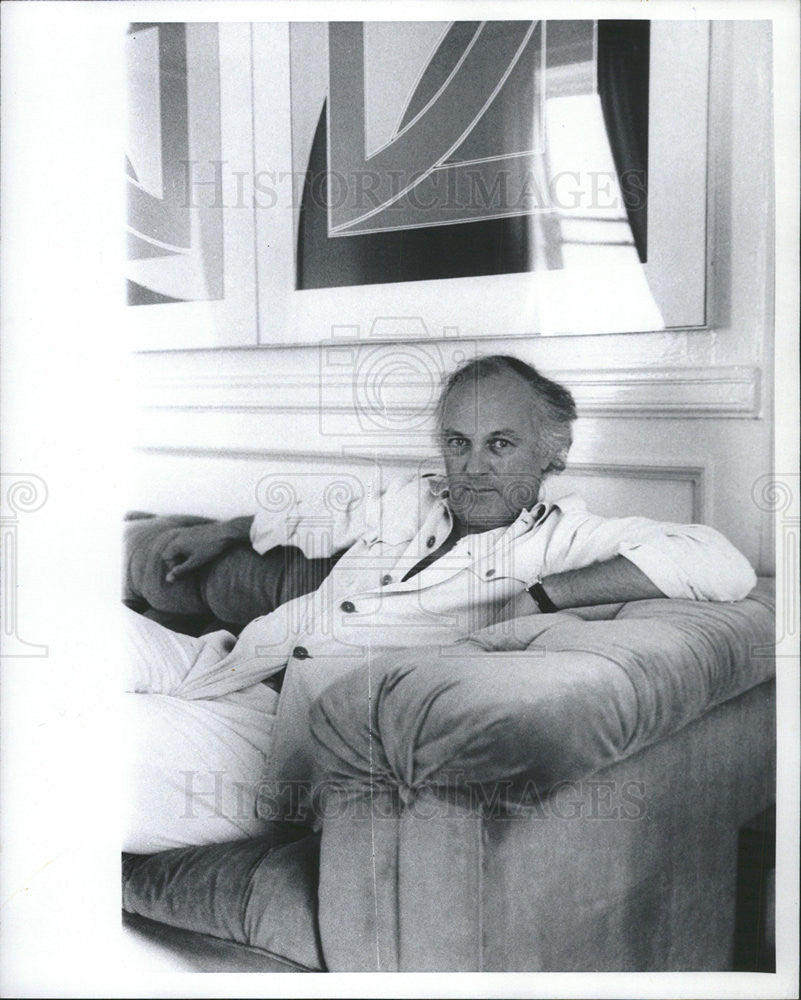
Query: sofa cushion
[[236, 587], [260, 892], [585, 694], [196, 952]]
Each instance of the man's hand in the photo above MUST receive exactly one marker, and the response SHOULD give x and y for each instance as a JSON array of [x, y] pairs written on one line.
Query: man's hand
[[197, 545], [521, 606], [515, 626]]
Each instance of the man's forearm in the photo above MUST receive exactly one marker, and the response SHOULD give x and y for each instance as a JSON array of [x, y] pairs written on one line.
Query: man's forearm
[[197, 544], [609, 582], [237, 529]]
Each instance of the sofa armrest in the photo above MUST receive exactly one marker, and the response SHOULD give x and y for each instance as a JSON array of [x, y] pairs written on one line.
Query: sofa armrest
[[446, 845], [587, 694]]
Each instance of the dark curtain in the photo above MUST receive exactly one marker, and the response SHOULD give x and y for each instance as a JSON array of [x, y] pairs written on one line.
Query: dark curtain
[[623, 66]]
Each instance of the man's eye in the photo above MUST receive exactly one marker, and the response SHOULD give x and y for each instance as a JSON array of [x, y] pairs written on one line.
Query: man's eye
[[499, 444], [456, 443]]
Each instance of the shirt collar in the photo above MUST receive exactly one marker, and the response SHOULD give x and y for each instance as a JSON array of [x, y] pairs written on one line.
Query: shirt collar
[[437, 485]]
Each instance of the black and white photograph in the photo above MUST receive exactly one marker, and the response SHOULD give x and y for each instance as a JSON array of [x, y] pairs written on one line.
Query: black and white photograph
[[400, 528]]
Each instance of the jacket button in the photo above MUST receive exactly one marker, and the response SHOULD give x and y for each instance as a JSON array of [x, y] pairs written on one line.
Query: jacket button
[[430, 542], [387, 578], [348, 606], [301, 653], [490, 572]]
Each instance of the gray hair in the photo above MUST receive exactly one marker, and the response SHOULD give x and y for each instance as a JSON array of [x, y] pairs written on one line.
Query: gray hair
[[555, 404]]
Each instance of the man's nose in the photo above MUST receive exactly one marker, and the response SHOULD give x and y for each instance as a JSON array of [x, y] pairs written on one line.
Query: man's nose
[[477, 462]]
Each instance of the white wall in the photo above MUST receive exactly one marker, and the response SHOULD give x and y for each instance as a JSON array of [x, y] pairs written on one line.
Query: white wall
[[673, 424]]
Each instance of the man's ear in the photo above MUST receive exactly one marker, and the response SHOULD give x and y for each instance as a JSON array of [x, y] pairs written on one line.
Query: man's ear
[[557, 463]]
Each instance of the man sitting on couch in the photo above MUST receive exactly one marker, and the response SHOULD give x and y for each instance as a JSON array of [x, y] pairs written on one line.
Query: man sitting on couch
[[429, 562]]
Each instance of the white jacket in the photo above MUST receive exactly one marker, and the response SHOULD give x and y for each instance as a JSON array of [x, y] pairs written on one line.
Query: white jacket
[[364, 607]]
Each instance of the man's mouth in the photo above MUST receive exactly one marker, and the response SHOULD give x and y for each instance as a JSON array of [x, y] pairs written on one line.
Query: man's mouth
[[466, 498], [467, 489]]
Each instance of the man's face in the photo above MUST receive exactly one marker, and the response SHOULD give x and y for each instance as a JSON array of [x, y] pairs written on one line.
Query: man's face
[[493, 455]]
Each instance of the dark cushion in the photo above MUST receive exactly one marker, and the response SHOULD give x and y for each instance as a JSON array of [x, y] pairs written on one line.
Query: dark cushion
[[260, 892], [234, 588], [203, 953]]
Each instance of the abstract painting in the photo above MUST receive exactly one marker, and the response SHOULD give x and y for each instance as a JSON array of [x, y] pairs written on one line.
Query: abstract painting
[[175, 222], [440, 150]]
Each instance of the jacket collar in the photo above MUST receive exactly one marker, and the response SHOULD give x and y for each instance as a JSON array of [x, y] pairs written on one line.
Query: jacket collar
[[426, 495]]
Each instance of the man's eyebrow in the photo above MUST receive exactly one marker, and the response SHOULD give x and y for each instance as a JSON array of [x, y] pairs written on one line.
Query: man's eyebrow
[[503, 432], [506, 431]]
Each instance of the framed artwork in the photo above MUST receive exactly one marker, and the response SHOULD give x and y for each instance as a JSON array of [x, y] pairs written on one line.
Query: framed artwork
[[292, 183], [438, 149], [190, 270], [489, 178]]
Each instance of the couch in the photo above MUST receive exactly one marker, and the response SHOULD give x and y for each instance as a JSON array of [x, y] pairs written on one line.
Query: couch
[[577, 805]]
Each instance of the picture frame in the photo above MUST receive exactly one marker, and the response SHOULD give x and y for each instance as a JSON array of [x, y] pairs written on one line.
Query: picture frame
[[582, 300], [216, 284], [258, 186]]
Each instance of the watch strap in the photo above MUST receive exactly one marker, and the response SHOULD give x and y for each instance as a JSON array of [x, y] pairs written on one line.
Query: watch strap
[[537, 593]]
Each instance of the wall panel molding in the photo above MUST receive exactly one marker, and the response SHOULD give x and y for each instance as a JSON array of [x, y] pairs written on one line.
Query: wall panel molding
[[622, 476], [697, 392]]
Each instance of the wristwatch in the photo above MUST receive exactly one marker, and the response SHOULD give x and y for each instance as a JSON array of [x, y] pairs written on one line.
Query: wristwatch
[[537, 594]]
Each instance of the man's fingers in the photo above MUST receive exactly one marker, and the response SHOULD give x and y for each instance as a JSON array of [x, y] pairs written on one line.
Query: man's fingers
[[181, 569], [172, 552], [183, 557]]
